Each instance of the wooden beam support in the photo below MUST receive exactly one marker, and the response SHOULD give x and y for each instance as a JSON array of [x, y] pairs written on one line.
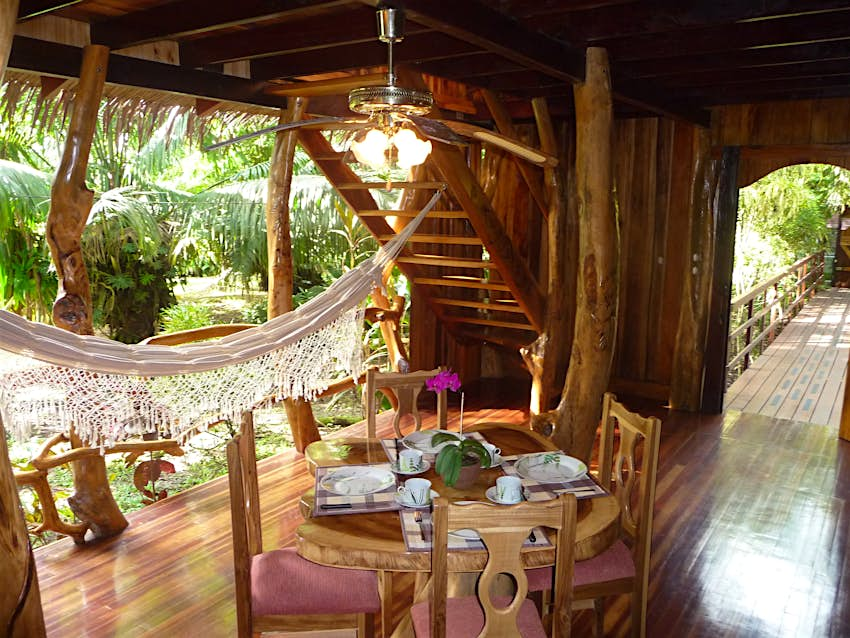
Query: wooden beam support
[[689, 353], [506, 127], [576, 418], [40, 56], [29, 9], [726, 219]]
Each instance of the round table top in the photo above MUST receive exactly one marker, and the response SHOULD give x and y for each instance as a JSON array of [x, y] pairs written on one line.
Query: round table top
[[375, 540]]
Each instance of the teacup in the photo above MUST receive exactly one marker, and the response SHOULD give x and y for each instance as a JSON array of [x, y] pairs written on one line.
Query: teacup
[[509, 489], [416, 491], [409, 460], [494, 452]]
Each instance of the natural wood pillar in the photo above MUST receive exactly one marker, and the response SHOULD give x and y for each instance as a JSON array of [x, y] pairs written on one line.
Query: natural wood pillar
[[279, 243], [726, 216], [546, 357], [20, 600], [71, 200], [688, 357], [574, 422]]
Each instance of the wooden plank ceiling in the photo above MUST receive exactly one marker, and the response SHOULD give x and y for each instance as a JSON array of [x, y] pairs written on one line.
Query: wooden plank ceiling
[[668, 56]]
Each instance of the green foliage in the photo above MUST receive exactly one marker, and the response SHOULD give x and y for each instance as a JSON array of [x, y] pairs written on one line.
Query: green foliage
[[782, 218], [459, 452], [185, 315], [256, 312]]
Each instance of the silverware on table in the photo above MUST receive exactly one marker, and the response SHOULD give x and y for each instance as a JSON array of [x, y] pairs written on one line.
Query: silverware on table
[[335, 506], [532, 537], [417, 516]]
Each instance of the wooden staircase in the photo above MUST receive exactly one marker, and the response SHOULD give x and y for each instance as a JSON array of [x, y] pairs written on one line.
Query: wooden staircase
[[460, 260]]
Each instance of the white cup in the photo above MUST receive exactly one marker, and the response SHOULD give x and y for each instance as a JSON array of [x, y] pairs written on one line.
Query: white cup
[[509, 489], [409, 460], [416, 491], [493, 451]]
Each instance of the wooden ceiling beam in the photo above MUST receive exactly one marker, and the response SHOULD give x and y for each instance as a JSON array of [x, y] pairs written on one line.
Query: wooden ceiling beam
[[781, 89], [470, 66], [730, 37], [304, 34], [28, 9], [493, 31], [192, 17], [414, 48], [730, 60], [39, 56], [787, 72]]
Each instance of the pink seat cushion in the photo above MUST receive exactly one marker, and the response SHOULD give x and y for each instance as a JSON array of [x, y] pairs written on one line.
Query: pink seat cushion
[[613, 564], [284, 583], [465, 617]]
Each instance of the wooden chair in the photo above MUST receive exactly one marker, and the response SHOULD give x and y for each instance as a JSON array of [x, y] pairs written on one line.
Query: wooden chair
[[503, 532], [278, 590], [406, 388], [619, 569]]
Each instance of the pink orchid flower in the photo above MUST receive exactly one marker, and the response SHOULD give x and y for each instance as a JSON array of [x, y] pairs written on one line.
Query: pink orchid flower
[[445, 380]]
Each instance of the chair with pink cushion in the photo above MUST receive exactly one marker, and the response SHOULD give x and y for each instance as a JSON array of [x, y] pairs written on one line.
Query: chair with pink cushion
[[278, 590], [503, 531], [630, 473]]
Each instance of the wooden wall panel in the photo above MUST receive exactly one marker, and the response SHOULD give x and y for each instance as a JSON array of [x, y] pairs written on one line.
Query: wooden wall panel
[[824, 121], [653, 185]]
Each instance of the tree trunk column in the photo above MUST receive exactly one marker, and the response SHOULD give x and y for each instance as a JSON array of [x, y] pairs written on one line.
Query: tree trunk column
[[688, 357], [71, 200], [575, 420], [278, 230]]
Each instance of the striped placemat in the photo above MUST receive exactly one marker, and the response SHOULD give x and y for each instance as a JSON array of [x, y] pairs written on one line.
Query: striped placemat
[[417, 535], [582, 487], [329, 504]]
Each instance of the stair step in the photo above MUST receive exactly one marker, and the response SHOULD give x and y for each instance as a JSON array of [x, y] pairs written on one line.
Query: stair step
[[459, 282], [389, 185], [433, 214], [441, 260], [438, 239], [510, 306], [488, 322], [509, 339]]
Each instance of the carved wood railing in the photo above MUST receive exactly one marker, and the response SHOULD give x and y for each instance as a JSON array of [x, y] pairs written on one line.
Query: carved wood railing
[[759, 314]]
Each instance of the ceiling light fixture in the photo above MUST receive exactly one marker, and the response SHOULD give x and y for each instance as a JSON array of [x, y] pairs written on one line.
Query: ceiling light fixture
[[390, 139]]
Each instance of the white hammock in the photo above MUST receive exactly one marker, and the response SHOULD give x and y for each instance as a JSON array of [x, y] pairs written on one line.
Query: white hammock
[[109, 391]]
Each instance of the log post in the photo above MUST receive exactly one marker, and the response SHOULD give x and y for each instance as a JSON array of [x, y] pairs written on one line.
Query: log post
[[70, 204], [573, 423], [689, 353], [71, 200], [546, 356], [20, 599], [299, 413]]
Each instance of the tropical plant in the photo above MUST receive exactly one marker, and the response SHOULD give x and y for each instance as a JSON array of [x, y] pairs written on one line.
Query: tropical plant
[[460, 451], [185, 315]]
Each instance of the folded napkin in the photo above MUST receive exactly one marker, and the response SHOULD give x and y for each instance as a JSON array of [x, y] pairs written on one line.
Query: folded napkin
[[381, 501], [390, 446], [417, 535], [582, 486]]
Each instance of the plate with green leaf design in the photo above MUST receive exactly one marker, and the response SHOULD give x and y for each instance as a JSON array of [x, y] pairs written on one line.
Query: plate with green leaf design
[[550, 467]]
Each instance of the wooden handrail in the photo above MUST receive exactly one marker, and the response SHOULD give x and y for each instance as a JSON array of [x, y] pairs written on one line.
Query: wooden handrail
[[807, 273]]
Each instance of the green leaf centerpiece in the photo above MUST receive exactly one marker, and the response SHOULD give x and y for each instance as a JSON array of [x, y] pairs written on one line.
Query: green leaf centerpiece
[[459, 452]]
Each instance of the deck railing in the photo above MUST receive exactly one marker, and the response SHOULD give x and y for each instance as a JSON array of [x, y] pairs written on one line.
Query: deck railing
[[758, 315]]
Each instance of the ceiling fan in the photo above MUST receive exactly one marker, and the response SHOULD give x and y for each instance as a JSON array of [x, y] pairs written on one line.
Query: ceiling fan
[[395, 115]]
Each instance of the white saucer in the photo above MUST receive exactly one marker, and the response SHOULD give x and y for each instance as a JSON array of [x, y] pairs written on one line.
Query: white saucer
[[424, 466], [466, 534], [491, 495], [414, 506]]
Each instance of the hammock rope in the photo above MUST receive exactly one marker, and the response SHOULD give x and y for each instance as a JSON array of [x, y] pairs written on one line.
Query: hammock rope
[[110, 391]]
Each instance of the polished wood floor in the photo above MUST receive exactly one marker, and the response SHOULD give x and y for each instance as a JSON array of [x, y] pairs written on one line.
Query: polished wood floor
[[800, 376], [751, 539]]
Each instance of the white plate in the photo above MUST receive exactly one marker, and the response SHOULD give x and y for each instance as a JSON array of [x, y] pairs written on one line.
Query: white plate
[[424, 466], [357, 481], [550, 467], [421, 440], [492, 495], [405, 503], [465, 534]]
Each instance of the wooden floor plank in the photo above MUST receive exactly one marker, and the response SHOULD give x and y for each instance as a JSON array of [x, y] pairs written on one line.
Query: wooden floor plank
[[750, 539], [800, 375]]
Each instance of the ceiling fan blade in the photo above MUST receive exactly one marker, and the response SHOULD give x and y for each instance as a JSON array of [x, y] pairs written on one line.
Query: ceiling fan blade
[[316, 122], [436, 130], [528, 153]]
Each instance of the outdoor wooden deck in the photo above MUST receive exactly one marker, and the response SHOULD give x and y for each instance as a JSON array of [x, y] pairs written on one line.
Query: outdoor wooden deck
[[751, 539], [800, 376]]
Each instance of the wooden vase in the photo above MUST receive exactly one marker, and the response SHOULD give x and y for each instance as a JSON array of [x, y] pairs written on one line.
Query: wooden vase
[[468, 476]]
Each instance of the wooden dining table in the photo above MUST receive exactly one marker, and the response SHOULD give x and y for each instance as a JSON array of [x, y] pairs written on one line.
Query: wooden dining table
[[376, 541]]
